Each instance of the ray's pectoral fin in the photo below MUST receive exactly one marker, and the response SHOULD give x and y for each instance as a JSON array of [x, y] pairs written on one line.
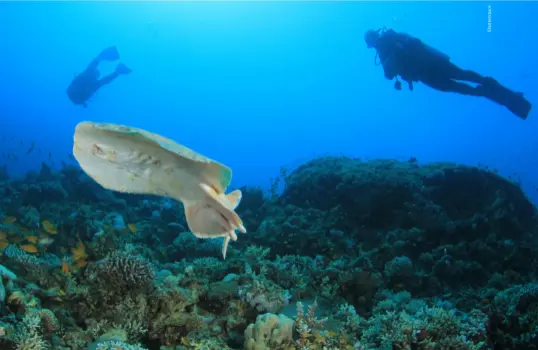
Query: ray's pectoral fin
[[226, 205], [234, 198], [205, 221]]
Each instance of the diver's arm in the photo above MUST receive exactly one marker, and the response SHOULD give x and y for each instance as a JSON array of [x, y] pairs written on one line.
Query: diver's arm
[[389, 67], [390, 50]]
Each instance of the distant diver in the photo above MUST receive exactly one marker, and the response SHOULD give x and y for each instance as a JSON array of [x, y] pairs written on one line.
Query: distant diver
[[408, 57], [87, 83]]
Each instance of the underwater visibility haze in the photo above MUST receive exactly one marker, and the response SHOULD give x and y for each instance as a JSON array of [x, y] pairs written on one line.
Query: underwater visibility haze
[[268, 175]]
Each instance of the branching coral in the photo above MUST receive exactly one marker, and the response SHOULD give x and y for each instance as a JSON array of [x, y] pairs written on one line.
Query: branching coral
[[429, 328], [35, 269], [28, 334], [172, 313], [49, 321], [122, 271], [20, 256], [351, 322], [261, 293], [306, 324], [128, 317], [313, 335]]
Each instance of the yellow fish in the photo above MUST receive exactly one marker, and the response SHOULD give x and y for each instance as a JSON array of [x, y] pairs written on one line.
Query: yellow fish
[[4, 244], [80, 264], [65, 268], [132, 228], [79, 252], [32, 239], [49, 227], [29, 248], [10, 220]]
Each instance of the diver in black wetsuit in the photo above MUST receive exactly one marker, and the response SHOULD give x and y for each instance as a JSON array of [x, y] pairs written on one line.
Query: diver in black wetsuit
[[87, 83], [408, 57]]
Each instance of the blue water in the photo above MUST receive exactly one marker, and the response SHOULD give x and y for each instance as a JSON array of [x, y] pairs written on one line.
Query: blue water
[[258, 86]]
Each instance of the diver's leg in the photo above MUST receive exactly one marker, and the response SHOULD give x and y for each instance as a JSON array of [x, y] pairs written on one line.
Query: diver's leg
[[93, 65], [448, 85], [457, 73], [515, 102], [121, 69], [109, 54], [107, 80], [489, 84]]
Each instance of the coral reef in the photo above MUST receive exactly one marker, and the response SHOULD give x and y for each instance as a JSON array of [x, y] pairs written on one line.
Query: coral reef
[[352, 254]]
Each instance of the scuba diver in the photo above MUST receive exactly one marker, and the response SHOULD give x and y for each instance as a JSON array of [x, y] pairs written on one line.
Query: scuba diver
[[87, 83], [408, 57]]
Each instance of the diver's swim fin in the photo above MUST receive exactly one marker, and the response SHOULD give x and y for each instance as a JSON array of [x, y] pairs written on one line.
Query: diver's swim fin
[[109, 54], [122, 69], [520, 107], [514, 101]]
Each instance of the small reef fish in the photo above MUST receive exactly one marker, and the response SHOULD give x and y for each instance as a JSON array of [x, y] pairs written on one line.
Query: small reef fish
[[65, 268], [29, 248], [132, 228], [49, 227], [79, 252], [4, 244], [80, 264], [9, 220], [3, 235], [45, 241], [32, 239], [79, 256]]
